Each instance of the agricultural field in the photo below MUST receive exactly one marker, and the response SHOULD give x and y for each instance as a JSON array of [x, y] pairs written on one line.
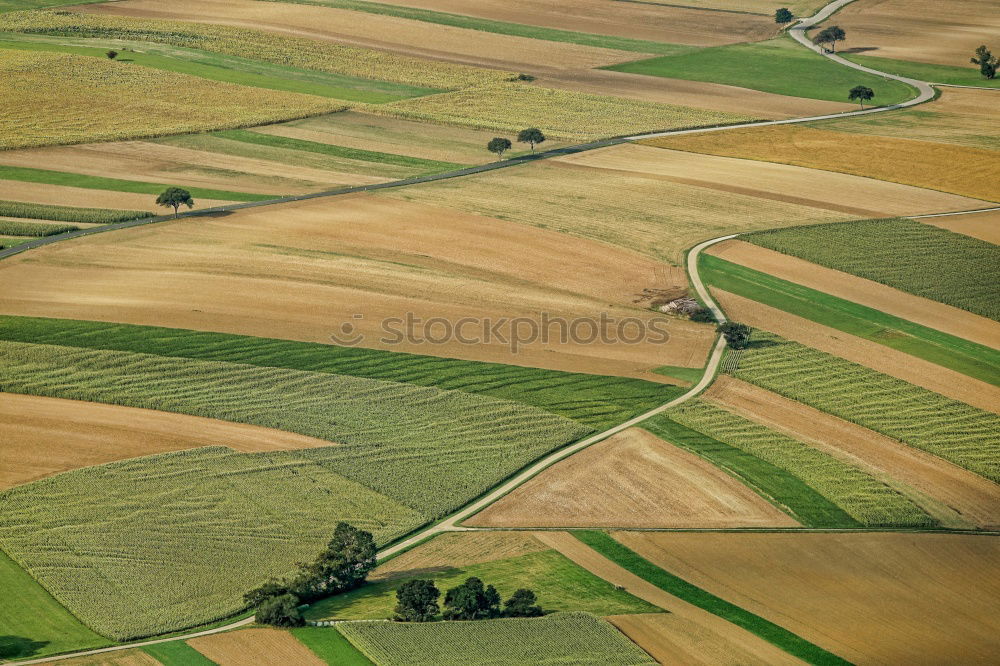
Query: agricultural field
[[268, 647], [870, 598], [984, 226], [579, 637]]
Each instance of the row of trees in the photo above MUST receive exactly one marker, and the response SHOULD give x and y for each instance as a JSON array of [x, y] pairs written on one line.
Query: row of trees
[[500, 145], [417, 601]]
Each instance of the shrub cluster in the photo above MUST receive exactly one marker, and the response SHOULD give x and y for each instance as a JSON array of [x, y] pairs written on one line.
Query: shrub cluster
[[417, 601]]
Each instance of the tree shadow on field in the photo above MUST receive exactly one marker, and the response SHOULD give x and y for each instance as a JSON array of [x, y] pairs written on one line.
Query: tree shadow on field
[[18, 646], [858, 49], [761, 344]]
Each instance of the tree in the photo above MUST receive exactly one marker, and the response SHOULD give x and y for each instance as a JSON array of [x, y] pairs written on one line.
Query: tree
[[499, 145], [281, 611], [737, 335], [830, 36], [470, 601], [862, 94], [417, 601], [174, 197], [343, 565], [783, 15], [112, 54], [522, 604], [987, 62], [532, 135], [270, 589]]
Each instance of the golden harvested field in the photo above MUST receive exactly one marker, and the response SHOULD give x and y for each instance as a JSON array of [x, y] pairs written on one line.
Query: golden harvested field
[[458, 549], [959, 116], [886, 360], [653, 215], [923, 311], [298, 271], [384, 33], [62, 195], [920, 599], [134, 657], [266, 647], [984, 226], [956, 497], [971, 172], [694, 625], [661, 23], [632, 479], [921, 30], [114, 100], [40, 437], [799, 7], [560, 113]]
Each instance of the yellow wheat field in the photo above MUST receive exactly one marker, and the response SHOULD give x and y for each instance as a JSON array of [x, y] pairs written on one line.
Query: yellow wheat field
[[55, 98]]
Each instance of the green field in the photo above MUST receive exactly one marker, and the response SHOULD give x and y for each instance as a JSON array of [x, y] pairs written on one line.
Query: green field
[[959, 76], [562, 638], [779, 66], [905, 254], [16, 228], [867, 500], [950, 351], [48, 177], [770, 632], [774, 483], [966, 436], [329, 645], [559, 583], [177, 653], [68, 213], [596, 401], [32, 623], [502, 27]]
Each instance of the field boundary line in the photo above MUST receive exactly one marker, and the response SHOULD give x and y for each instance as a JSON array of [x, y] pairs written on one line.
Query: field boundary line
[[958, 212]]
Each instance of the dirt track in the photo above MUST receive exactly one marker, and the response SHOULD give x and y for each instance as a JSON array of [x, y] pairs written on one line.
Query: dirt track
[[956, 497], [633, 479], [40, 437]]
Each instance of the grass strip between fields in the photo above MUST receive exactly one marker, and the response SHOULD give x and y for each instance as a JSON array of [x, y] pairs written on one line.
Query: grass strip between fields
[[276, 141], [68, 213], [177, 653], [64, 178], [765, 629], [922, 71], [329, 645], [502, 27], [949, 351]]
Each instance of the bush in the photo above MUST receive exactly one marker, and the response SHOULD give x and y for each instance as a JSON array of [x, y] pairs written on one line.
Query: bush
[[703, 315], [737, 335], [282, 611], [522, 604], [417, 601]]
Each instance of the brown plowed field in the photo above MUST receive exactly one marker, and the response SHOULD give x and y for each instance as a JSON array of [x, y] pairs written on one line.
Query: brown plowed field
[[917, 599], [458, 549], [115, 658], [261, 647], [662, 23], [40, 437], [633, 479], [920, 30], [671, 639], [62, 195], [984, 226], [723, 636], [886, 360], [968, 500], [386, 33], [299, 271], [859, 290]]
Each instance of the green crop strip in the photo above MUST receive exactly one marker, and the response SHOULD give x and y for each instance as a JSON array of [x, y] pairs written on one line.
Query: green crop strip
[[68, 213], [596, 401], [969, 358], [12, 228], [959, 76], [329, 645], [30, 175], [177, 653], [275, 141], [502, 27], [770, 632], [775, 484]]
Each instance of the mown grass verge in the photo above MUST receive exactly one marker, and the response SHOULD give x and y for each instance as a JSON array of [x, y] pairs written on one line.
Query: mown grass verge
[[329, 645], [48, 177], [922, 71], [969, 358], [918, 258], [779, 66], [276, 141], [69, 213], [765, 629], [503, 27], [596, 401]]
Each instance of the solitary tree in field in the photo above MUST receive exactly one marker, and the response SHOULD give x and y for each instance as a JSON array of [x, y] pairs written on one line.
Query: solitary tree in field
[[522, 604], [417, 601], [175, 197], [532, 135], [783, 15], [861, 94], [737, 335], [830, 36], [987, 62], [280, 611], [112, 54], [499, 145]]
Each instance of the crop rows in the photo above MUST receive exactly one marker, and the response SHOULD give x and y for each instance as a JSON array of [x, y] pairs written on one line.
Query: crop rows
[[561, 638], [918, 258], [68, 213], [159, 543], [17, 228], [953, 430], [864, 498]]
